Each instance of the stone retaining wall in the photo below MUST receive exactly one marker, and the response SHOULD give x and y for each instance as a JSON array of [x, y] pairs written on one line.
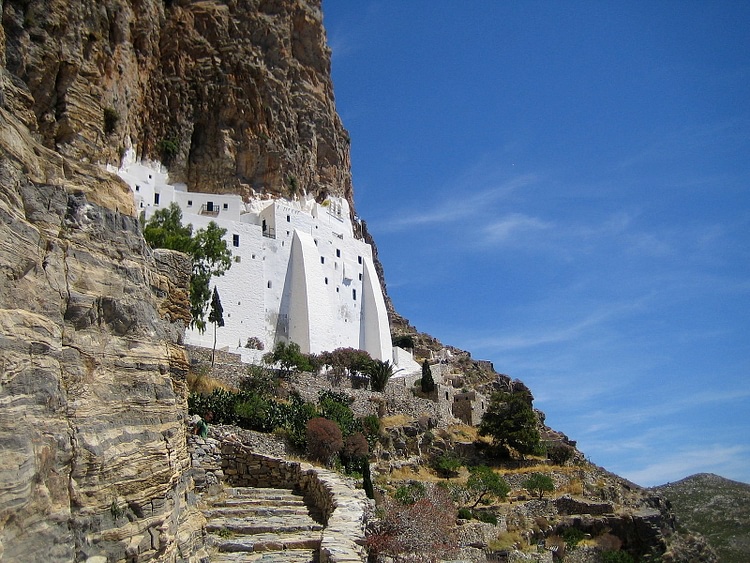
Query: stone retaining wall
[[342, 505]]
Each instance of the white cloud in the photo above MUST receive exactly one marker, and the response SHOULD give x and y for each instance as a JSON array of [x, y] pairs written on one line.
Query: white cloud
[[512, 225]]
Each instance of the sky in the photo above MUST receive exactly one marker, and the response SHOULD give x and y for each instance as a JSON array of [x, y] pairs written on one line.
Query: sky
[[563, 188]]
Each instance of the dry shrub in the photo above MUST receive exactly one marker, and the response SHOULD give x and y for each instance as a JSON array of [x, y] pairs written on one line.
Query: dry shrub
[[505, 541], [395, 421], [422, 532], [324, 439], [573, 487], [609, 542], [200, 382]]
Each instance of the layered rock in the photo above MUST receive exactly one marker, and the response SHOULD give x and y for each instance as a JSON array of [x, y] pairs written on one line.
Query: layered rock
[[235, 95], [92, 390]]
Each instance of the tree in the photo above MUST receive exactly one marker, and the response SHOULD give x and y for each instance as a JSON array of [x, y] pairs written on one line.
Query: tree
[[208, 250], [539, 483], [380, 373], [448, 464], [165, 230], [216, 316], [211, 257], [428, 383], [289, 357], [511, 422], [485, 483]]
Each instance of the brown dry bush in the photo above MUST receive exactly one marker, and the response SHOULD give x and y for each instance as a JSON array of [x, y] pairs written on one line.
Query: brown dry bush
[[420, 532], [324, 439]]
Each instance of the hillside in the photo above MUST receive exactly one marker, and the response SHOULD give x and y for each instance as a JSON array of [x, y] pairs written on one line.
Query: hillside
[[715, 507]]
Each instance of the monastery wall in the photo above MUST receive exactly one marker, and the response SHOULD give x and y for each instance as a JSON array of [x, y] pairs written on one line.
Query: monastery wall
[[298, 273]]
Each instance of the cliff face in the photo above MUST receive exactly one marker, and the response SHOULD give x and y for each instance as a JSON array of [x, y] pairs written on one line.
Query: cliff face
[[92, 392], [235, 96]]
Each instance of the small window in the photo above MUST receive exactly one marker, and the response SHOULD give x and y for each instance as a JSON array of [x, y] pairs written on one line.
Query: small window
[[156, 199], [238, 259], [354, 294], [337, 290], [338, 253], [359, 259], [253, 256], [322, 259], [137, 188], [360, 277], [288, 218], [226, 206], [141, 204], [315, 241], [150, 176], [235, 240], [287, 233], [269, 284], [190, 203], [326, 280]]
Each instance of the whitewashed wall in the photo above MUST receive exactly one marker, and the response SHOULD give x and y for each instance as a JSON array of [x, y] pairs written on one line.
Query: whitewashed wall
[[298, 274]]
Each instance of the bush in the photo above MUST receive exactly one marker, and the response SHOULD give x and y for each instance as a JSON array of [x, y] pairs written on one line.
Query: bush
[[405, 341], [259, 381], [324, 439], [411, 493], [427, 382], [426, 527], [572, 537], [168, 148], [617, 557], [370, 425], [380, 373], [484, 483], [335, 406], [539, 483], [254, 343], [560, 454], [354, 453], [465, 514], [447, 464]]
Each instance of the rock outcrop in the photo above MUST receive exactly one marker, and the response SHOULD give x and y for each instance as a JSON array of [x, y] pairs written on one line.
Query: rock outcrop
[[92, 386], [235, 96]]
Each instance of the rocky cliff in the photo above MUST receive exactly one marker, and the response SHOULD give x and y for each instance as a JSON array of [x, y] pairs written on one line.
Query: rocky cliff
[[235, 96]]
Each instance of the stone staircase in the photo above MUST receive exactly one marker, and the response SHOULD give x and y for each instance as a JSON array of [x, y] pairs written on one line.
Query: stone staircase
[[266, 525]]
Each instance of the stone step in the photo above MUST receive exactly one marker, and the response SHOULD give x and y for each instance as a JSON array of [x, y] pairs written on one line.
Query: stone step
[[249, 526], [262, 493], [255, 511], [267, 542], [286, 556]]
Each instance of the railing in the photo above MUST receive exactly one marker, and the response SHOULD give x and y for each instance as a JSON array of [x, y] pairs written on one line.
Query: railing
[[213, 212], [269, 232]]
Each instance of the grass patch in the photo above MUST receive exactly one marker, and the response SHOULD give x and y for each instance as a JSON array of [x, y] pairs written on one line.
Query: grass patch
[[201, 382], [395, 421]]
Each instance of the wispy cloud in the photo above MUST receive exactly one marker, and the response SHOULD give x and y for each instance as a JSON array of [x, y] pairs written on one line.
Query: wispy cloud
[[455, 208], [512, 225]]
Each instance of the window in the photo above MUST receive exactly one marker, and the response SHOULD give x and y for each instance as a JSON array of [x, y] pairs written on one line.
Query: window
[[326, 280], [238, 258], [338, 253], [226, 206], [156, 199], [288, 218], [322, 259], [137, 188], [190, 203], [354, 294], [359, 259], [269, 284], [235, 240], [209, 206]]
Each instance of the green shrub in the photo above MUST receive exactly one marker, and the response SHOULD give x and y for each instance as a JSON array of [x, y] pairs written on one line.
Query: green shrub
[[572, 536], [465, 514], [411, 493], [560, 453], [447, 464], [617, 557], [168, 148], [380, 373], [405, 341], [486, 517]]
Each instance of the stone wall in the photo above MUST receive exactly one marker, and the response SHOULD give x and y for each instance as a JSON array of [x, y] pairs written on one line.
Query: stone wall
[[343, 505]]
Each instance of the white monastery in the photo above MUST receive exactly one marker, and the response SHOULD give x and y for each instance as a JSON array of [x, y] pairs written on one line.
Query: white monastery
[[298, 273]]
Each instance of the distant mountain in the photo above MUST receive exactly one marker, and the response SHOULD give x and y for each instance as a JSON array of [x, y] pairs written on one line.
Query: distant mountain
[[715, 507]]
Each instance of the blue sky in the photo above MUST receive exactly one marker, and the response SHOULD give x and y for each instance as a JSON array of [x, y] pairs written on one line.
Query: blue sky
[[564, 188]]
